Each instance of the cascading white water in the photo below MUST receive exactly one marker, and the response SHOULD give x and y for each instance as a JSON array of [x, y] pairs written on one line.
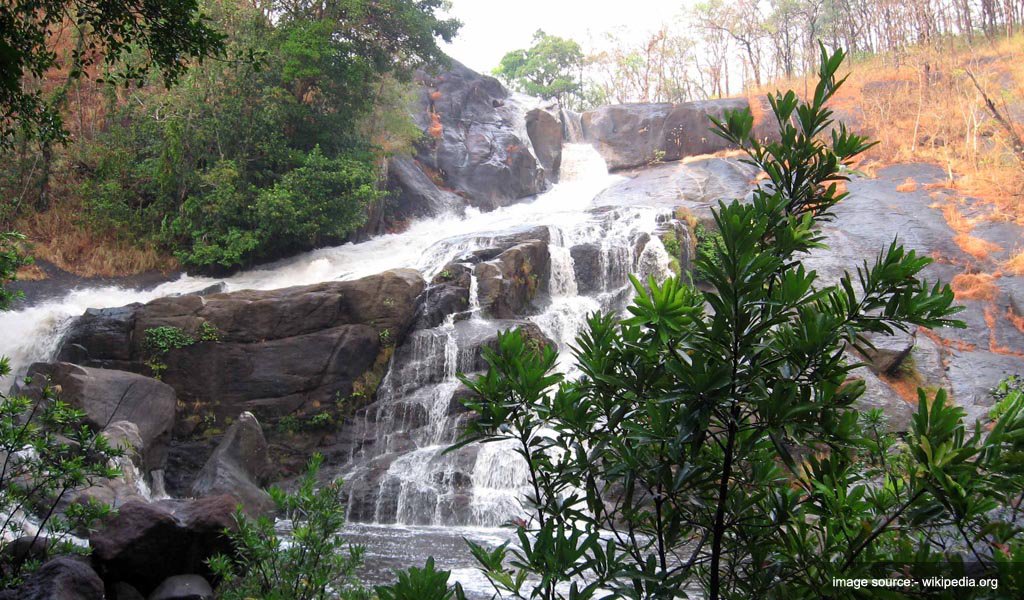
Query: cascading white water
[[33, 334], [412, 421]]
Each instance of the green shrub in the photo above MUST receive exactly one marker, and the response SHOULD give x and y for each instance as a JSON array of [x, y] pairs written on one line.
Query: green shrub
[[315, 562], [709, 246], [421, 584], [12, 258], [48, 453], [722, 447], [1007, 394], [671, 243]]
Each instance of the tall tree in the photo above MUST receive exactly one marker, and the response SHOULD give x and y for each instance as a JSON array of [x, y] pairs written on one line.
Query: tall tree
[[550, 68], [167, 34]]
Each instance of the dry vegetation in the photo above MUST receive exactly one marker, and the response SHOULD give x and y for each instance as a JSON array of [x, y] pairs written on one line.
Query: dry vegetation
[[922, 106], [45, 192]]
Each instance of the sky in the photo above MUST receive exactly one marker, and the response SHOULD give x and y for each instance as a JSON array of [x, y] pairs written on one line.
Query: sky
[[491, 28]]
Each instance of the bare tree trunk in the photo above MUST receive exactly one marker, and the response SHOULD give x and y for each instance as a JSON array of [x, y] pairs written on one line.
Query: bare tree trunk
[[1015, 140]]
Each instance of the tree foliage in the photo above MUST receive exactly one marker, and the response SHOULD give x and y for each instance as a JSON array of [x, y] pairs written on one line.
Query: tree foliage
[[12, 258], [160, 34], [245, 161], [550, 68], [47, 454], [713, 438]]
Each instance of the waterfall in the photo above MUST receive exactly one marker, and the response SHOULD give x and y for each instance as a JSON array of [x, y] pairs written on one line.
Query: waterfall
[[572, 126], [397, 470]]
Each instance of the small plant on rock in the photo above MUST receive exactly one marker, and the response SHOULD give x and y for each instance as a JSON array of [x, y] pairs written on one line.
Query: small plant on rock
[[313, 563], [158, 341], [208, 332]]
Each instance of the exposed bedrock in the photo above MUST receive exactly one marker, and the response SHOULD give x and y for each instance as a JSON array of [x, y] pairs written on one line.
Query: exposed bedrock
[[633, 135], [293, 357], [476, 148], [546, 135]]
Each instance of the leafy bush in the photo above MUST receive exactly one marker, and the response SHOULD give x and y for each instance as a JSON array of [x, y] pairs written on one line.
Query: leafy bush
[[722, 447], [671, 243], [421, 584], [313, 563], [48, 453], [247, 160], [11, 259], [1006, 394], [709, 243]]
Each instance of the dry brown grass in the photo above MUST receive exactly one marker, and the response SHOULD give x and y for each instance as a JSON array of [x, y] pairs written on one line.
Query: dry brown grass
[[907, 186], [31, 273], [58, 237], [974, 286], [921, 106], [1015, 319], [975, 246], [1015, 265]]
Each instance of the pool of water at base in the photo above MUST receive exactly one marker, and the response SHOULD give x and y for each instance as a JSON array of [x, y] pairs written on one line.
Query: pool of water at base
[[391, 548]]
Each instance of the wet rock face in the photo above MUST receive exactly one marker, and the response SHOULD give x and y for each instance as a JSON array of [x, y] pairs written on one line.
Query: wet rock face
[[510, 282], [288, 354], [273, 353], [144, 544], [545, 131], [106, 330], [107, 396], [62, 578], [587, 263], [633, 135], [471, 146], [414, 194], [240, 465]]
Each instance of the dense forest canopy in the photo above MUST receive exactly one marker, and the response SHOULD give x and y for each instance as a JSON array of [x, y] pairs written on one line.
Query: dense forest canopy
[[271, 146]]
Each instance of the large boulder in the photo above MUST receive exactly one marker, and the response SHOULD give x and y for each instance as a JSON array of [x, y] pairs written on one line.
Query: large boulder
[[634, 135], [545, 132], [62, 578], [472, 146], [240, 465], [106, 330], [107, 395], [414, 194], [292, 352], [509, 283], [144, 544]]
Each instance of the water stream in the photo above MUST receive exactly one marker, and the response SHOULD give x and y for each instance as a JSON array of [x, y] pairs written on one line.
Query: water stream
[[403, 479]]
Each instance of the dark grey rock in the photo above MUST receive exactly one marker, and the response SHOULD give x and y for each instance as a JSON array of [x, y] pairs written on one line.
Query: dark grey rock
[[62, 578], [634, 135], [144, 544], [471, 144], [545, 132], [107, 395], [240, 466]]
